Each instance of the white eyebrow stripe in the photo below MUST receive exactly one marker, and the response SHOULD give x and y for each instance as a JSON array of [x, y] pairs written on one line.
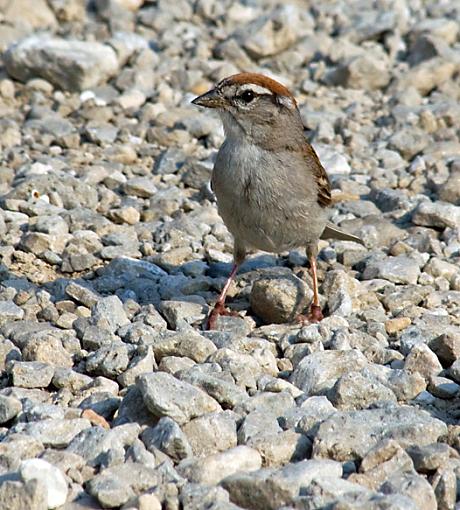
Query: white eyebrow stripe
[[257, 89], [286, 101]]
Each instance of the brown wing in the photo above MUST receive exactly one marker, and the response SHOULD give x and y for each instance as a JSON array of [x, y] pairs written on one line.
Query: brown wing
[[321, 178]]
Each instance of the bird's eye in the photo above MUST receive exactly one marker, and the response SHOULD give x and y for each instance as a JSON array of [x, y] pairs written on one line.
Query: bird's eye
[[247, 96]]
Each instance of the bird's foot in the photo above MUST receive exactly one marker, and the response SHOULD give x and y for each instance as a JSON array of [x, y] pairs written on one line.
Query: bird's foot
[[314, 315], [219, 309]]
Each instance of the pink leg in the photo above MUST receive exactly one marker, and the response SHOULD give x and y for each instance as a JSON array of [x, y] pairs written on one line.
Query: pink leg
[[219, 307], [315, 314]]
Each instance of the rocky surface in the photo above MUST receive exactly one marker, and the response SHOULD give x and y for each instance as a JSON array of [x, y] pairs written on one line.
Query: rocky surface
[[112, 252]]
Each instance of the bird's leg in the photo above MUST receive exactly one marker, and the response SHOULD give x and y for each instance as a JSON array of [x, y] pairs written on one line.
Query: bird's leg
[[219, 307], [315, 314]]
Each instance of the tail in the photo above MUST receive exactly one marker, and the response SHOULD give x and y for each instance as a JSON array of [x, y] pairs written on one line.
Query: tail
[[333, 232]]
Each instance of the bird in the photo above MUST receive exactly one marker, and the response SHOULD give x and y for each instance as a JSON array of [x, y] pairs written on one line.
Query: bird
[[272, 191]]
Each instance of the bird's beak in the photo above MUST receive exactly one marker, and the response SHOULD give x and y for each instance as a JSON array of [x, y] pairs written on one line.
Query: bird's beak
[[211, 99]]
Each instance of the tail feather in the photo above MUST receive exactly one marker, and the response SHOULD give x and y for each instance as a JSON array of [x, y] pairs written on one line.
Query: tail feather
[[333, 232]]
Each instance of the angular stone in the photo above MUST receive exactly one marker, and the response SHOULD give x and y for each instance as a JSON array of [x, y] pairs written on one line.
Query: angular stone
[[108, 313], [413, 486], [423, 360], [116, 485], [365, 72], [271, 33], [211, 433], [110, 360], [68, 64], [400, 269], [318, 372], [444, 483], [177, 311], [450, 190], [187, 343], [349, 436], [437, 214], [355, 391], [49, 350], [18, 13], [308, 416], [258, 422], [281, 448], [329, 491], [56, 433], [447, 346], [82, 294], [409, 141], [406, 386], [164, 395], [16, 447], [31, 374], [385, 461], [396, 325], [168, 437], [15, 495], [214, 468], [9, 311], [243, 367], [9, 408], [427, 75], [442, 387], [95, 444], [141, 364], [196, 496], [140, 186], [430, 457], [272, 489], [20, 332], [49, 477], [227, 393]]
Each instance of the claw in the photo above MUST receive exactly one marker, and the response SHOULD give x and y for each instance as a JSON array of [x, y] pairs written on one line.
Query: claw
[[314, 316], [219, 309]]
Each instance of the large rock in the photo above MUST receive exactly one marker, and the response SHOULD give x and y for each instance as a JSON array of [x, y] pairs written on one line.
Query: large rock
[[56, 433], [15, 495], [437, 214], [116, 485], [277, 299], [274, 32], [214, 468], [68, 64], [349, 436], [365, 72], [164, 395], [20, 12], [399, 269], [73, 192], [318, 372], [272, 489], [50, 476]]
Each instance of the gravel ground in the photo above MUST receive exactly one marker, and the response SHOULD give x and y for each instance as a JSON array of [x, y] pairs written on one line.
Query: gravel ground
[[112, 252]]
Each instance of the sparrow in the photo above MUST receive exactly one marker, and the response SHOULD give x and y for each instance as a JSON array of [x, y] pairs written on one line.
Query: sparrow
[[272, 192]]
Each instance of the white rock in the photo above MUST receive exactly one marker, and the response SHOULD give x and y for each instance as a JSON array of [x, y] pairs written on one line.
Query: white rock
[[51, 477], [68, 64], [333, 162]]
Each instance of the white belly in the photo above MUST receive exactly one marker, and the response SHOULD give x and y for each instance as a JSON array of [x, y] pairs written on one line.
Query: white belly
[[264, 201]]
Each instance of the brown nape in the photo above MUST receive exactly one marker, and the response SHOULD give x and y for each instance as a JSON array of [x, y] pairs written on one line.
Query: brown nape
[[258, 79]]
